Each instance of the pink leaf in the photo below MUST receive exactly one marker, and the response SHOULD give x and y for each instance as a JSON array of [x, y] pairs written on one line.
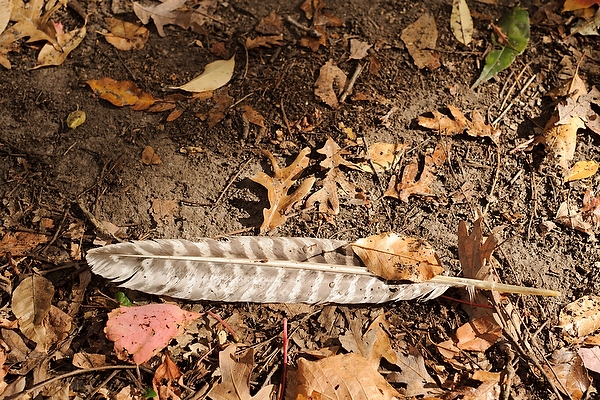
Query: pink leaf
[[591, 358], [141, 332]]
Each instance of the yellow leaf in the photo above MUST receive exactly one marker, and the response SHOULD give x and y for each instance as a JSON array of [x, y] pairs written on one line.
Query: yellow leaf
[[216, 74], [582, 170], [560, 140]]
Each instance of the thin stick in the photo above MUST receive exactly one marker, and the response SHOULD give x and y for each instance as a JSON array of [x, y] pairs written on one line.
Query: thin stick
[[351, 82], [309, 31], [286, 343], [233, 178]]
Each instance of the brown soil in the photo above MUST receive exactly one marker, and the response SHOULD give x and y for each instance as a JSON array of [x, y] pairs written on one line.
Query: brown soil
[[47, 170]]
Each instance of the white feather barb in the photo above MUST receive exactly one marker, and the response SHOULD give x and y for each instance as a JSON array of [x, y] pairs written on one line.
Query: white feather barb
[[263, 270]]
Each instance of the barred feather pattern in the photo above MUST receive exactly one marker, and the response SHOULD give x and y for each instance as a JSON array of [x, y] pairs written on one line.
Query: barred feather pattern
[[251, 269]]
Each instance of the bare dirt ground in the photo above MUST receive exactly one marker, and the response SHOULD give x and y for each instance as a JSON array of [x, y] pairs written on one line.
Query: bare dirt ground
[[51, 174]]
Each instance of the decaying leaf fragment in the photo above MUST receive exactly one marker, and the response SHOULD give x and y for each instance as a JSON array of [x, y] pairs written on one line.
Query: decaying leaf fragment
[[31, 302], [313, 10], [358, 49], [330, 78], [461, 22], [571, 216], [410, 185], [561, 140], [126, 35], [383, 156], [459, 123], [235, 376], [173, 12], [264, 41], [398, 258], [67, 42], [568, 372], [164, 376], [278, 187], [581, 317], [121, 93], [141, 332], [476, 335], [216, 74], [420, 39]]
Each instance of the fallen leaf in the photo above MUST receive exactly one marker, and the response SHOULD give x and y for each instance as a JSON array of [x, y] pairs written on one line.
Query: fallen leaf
[[420, 39], [278, 187], [139, 333], [344, 376], [560, 140], [582, 170], [121, 93], [169, 372], [85, 360], [264, 41], [580, 104], [568, 373], [149, 156], [31, 303], [398, 258], [67, 42], [163, 211], [222, 103], [126, 35], [272, 24], [410, 185], [20, 243], [572, 5], [568, 215], [515, 27], [173, 115], [330, 78], [383, 156], [313, 43], [414, 375], [216, 74], [478, 335], [235, 377], [591, 207], [374, 344], [587, 27], [253, 116], [162, 14], [461, 22], [358, 49], [590, 358], [581, 317], [76, 118], [6, 7], [459, 123]]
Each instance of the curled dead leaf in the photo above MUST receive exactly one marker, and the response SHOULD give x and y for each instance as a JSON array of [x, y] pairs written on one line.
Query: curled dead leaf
[[149, 156], [581, 317], [330, 78], [126, 35]]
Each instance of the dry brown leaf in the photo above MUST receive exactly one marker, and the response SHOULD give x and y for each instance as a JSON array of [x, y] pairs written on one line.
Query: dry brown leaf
[[85, 360], [313, 10], [169, 372], [581, 317], [591, 207], [568, 373], [235, 377], [253, 116], [31, 303], [272, 24], [67, 42], [414, 375], [126, 35], [163, 211], [383, 156], [330, 78], [21, 243], [6, 7], [149, 157], [358, 49], [344, 376], [560, 140], [475, 254], [165, 13], [582, 170], [121, 93], [374, 344], [173, 115], [278, 187], [459, 123], [423, 186], [398, 258], [222, 103], [314, 43], [478, 335], [568, 215], [420, 39], [264, 41]]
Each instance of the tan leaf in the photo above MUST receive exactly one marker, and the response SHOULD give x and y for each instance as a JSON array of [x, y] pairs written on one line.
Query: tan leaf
[[86, 360], [50, 55], [414, 375], [278, 187], [314, 43], [173, 115], [459, 123], [6, 7], [235, 377], [581, 317], [222, 103], [333, 155], [149, 156], [398, 258], [330, 78], [121, 93], [568, 373], [383, 156], [568, 215], [126, 35], [410, 185], [582, 170], [253, 116], [165, 13], [591, 207], [478, 335], [20, 243], [169, 372], [461, 22], [264, 41], [420, 39], [560, 140], [216, 74], [374, 344], [272, 24], [31, 303], [344, 376], [358, 49]]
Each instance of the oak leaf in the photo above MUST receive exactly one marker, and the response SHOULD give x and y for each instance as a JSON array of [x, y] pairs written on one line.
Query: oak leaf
[[568, 373], [414, 375], [264, 41], [141, 332], [398, 258], [126, 35], [459, 123], [235, 377], [272, 24], [278, 188]]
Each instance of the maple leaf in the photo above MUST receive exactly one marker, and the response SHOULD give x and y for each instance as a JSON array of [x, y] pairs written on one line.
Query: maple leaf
[[459, 124], [278, 187], [235, 377], [410, 185]]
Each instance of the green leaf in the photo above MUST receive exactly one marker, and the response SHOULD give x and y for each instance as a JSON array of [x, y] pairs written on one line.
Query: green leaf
[[150, 393], [515, 26], [123, 300]]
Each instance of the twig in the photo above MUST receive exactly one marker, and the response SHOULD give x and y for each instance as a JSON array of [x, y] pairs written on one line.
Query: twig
[[97, 224], [351, 82], [309, 31], [225, 325], [285, 118], [233, 178], [286, 343], [68, 375]]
